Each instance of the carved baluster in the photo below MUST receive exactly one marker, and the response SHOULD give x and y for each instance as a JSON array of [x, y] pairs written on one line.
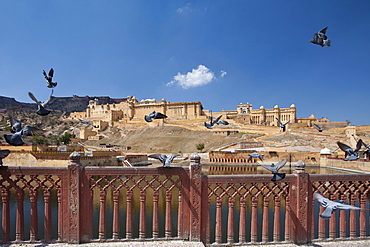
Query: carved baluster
[[142, 224], [332, 221], [352, 226], [242, 227], [254, 223], [265, 223], [129, 214], [6, 215], [230, 222], [168, 226], [60, 214], [116, 215], [19, 231], [321, 225], [102, 215], [47, 216], [343, 221], [287, 219], [34, 217], [180, 229], [363, 216], [277, 219], [218, 220], [155, 215]]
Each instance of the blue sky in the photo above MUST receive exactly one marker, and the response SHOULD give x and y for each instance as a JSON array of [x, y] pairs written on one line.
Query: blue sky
[[218, 52]]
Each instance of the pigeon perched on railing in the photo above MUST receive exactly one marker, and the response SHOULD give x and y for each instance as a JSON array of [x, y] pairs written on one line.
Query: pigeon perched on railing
[[352, 154], [154, 115], [320, 38], [281, 125], [16, 139], [164, 159], [49, 78], [331, 206], [254, 155], [275, 170], [41, 105], [3, 154]]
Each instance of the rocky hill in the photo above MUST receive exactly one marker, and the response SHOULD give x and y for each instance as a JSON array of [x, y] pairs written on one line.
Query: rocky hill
[[62, 104]]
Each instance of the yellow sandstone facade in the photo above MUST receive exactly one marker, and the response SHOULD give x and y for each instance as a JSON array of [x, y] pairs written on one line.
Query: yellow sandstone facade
[[131, 109]]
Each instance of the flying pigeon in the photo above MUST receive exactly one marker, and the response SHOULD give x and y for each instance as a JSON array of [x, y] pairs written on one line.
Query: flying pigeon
[[254, 155], [281, 125], [331, 206], [319, 128], [213, 121], [275, 168], [164, 159], [87, 122], [320, 38], [3, 154], [16, 139], [154, 115], [352, 154], [49, 78], [41, 105]]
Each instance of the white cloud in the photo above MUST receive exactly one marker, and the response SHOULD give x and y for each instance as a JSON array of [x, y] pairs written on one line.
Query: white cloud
[[223, 73], [184, 9], [197, 77]]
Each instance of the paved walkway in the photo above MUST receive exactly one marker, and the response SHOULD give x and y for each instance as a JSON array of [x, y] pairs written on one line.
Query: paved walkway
[[177, 243]]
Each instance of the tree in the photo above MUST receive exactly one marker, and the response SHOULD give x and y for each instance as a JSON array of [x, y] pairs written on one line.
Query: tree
[[200, 147], [66, 138]]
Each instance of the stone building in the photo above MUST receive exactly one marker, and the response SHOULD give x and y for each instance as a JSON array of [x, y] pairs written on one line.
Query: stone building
[[132, 109], [246, 115]]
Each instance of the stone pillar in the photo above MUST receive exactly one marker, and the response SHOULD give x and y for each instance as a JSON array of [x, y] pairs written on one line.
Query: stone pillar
[[195, 197], [301, 201]]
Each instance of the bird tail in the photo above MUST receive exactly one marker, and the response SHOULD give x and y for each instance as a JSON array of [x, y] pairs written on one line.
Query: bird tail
[[278, 177]]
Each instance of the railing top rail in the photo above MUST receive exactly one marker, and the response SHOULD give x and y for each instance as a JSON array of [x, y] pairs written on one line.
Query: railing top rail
[[32, 170], [339, 177], [253, 178], [123, 170]]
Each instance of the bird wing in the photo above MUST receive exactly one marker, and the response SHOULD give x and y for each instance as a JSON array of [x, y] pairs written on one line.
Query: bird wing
[[4, 153], [49, 99], [279, 121], [159, 115], [217, 119], [172, 156], [318, 127], [344, 147], [170, 159], [358, 145], [223, 122], [157, 156], [347, 207], [324, 30], [45, 75], [280, 164], [16, 124], [322, 200], [270, 168], [33, 98], [30, 130], [51, 73]]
